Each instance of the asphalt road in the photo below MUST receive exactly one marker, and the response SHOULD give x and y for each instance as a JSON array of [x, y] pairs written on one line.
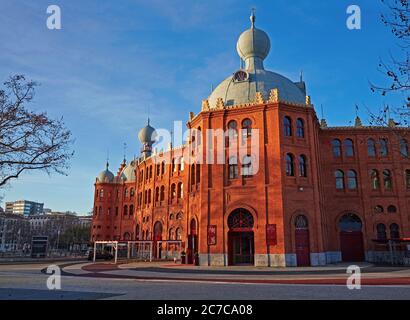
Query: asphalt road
[[27, 282]]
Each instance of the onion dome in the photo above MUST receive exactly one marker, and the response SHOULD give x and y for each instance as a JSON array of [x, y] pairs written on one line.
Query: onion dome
[[147, 135], [106, 175], [253, 47], [128, 173]]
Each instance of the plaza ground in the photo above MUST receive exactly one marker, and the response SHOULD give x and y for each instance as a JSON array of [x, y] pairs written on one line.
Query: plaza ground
[[167, 281]]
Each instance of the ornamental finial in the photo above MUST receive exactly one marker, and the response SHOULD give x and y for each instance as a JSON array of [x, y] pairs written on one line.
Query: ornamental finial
[[253, 18]]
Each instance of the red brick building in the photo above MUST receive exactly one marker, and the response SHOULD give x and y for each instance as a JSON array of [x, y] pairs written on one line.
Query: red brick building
[[289, 191]]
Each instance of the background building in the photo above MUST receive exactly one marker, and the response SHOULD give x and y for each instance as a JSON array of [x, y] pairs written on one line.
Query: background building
[[24, 207]]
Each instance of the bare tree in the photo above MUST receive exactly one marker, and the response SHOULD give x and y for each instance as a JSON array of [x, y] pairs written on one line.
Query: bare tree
[[29, 141], [397, 71]]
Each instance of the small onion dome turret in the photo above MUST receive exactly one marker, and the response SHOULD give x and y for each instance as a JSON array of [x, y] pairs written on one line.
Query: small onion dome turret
[[147, 135], [128, 173], [105, 176]]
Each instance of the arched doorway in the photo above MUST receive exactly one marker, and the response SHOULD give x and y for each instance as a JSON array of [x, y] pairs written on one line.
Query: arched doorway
[[302, 245], [351, 238], [240, 237], [157, 237], [192, 241]]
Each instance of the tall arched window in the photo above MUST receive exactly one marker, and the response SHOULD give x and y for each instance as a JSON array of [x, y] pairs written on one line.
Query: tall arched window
[[290, 165], [348, 146], [300, 128], [178, 234], [233, 168], [102, 193], [125, 210], [381, 232], [287, 126], [352, 180], [337, 148], [150, 172], [173, 166], [171, 234], [158, 169], [198, 173], [394, 231], [173, 191], [163, 168], [180, 190], [156, 194], [374, 177], [247, 168], [232, 129], [404, 148], [247, 127], [371, 148], [339, 176], [131, 210], [192, 174], [302, 166], [384, 150], [407, 174], [387, 180], [162, 194]]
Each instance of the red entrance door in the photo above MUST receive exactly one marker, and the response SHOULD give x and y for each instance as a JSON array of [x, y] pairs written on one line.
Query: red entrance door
[[351, 245], [241, 248], [302, 247]]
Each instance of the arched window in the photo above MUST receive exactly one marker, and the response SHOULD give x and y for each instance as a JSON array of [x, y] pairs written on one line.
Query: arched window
[[232, 131], [233, 168], [178, 234], [404, 148], [378, 209], [126, 193], [374, 176], [156, 194], [179, 216], [163, 168], [180, 190], [150, 172], [137, 232], [173, 191], [198, 173], [173, 166], [247, 168], [371, 148], [171, 216], [300, 128], [192, 174], [247, 127], [131, 210], [287, 126], [394, 231], [384, 151], [350, 222], [352, 180], [407, 173], [340, 183], [101, 193], [162, 194], [348, 146], [132, 192], [301, 222], [302, 166], [381, 232], [100, 211], [125, 210], [387, 180], [171, 234], [290, 165], [391, 209], [240, 219], [149, 196], [337, 148], [158, 169]]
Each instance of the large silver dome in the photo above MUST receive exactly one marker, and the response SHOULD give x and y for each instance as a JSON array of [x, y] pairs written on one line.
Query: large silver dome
[[240, 88], [105, 176], [128, 173]]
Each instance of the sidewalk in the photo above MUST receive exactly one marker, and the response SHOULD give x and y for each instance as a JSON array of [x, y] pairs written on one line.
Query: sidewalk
[[28, 260]]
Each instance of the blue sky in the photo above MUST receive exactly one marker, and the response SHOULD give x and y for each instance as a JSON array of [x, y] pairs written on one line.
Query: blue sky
[[112, 61]]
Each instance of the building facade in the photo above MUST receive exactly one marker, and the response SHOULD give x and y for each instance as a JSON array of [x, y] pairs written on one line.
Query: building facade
[[279, 187], [24, 207]]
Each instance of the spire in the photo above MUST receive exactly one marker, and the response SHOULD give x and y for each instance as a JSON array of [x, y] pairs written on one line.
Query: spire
[[107, 165], [253, 18], [358, 122]]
